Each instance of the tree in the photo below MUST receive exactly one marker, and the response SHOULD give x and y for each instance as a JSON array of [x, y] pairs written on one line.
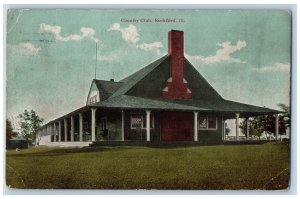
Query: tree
[[285, 119], [29, 123], [255, 126], [227, 129], [286, 115], [266, 123], [9, 131]]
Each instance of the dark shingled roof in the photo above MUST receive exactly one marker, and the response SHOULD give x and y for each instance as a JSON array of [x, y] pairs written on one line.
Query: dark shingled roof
[[133, 102], [133, 79], [143, 90], [107, 88]]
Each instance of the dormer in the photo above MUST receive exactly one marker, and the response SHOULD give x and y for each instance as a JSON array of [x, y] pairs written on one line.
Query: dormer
[[94, 94], [101, 90]]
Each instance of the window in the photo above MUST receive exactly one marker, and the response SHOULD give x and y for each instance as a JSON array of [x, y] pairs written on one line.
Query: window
[[103, 123], [138, 121], [93, 99], [208, 123]]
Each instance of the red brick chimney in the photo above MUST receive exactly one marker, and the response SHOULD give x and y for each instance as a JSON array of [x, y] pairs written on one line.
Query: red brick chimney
[[177, 87]]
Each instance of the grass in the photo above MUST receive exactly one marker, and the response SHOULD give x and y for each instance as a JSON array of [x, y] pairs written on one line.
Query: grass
[[263, 166]]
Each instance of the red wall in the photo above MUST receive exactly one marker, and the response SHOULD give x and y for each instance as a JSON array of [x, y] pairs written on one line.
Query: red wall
[[176, 126]]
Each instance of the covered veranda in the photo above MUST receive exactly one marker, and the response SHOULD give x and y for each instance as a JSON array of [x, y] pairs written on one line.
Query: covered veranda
[[86, 125]]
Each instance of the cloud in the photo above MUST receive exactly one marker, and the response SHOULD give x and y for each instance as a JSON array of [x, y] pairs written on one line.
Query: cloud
[[56, 30], [112, 56], [223, 54], [131, 35], [154, 47], [24, 49], [276, 67]]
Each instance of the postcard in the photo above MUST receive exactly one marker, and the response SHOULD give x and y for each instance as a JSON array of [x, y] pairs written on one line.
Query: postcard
[[148, 99]]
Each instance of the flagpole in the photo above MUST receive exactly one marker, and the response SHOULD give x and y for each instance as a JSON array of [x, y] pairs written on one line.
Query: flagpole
[[96, 63]]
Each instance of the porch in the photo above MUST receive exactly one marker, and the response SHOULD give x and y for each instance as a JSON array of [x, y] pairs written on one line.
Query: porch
[[104, 126]]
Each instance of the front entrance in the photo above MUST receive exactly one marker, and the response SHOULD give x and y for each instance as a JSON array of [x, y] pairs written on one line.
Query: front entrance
[[176, 126]]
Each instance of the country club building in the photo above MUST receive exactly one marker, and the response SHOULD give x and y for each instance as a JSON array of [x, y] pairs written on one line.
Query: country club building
[[168, 100]]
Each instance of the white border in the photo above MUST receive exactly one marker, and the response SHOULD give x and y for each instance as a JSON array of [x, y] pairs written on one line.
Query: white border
[[261, 4]]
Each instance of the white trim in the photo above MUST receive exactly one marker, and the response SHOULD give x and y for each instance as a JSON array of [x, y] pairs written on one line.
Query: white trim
[[170, 79], [72, 128], [247, 127], [122, 120], [54, 139], [148, 120], [93, 125], [93, 95], [237, 127], [166, 89], [65, 130], [80, 127], [59, 131], [223, 137], [195, 126]]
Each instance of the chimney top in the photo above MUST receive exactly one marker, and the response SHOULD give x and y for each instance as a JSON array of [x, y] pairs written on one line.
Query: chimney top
[[177, 86], [175, 30], [176, 42]]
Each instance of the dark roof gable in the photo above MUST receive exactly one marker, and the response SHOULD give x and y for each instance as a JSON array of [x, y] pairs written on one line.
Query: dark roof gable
[[136, 77], [143, 89], [152, 84], [107, 88]]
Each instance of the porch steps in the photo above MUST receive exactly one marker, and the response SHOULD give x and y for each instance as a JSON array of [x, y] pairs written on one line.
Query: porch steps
[[234, 142], [168, 144], [143, 143]]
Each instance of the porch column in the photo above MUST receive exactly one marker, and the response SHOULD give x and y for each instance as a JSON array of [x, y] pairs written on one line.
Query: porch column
[[276, 126], [37, 138], [49, 133], [237, 128], [59, 131], [54, 125], [80, 127], [122, 125], [46, 133], [66, 129], [247, 128], [93, 124], [72, 129], [148, 124], [195, 126], [223, 128]]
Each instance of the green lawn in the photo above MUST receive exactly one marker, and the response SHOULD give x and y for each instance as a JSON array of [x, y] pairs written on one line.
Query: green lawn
[[202, 167]]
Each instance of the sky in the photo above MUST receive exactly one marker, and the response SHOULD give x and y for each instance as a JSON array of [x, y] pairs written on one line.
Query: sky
[[243, 54]]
